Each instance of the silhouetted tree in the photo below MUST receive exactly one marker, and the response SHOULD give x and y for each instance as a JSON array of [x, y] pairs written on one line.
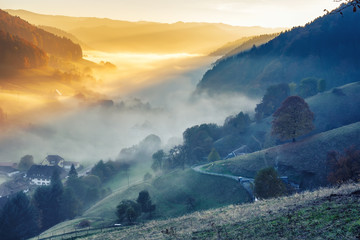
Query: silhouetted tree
[[198, 142], [42, 202], [145, 202], [18, 219], [272, 99], [73, 172], [158, 158], [308, 87], [345, 167], [48, 201], [347, 4], [128, 210], [70, 205], [26, 162], [236, 124], [292, 119], [268, 184]]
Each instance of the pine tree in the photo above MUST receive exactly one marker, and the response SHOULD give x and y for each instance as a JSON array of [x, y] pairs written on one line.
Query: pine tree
[[18, 218], [213, 156], [48, 201], [73, 173]]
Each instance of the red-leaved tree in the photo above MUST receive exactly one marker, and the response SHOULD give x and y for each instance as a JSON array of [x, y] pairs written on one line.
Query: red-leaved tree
[[293, 119], [345, 167]]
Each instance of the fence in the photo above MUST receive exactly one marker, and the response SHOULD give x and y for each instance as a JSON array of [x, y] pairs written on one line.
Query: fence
[[79, 233]]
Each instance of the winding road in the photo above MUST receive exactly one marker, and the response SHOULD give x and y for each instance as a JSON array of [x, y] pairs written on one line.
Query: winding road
[[247, 183]]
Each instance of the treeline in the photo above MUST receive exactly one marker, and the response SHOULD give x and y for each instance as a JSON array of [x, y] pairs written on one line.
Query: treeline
[[199, 143], [50, 43], [19, 53], [23, 217], [209, 142]]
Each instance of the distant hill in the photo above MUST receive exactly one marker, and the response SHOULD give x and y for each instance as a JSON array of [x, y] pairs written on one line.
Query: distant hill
[[326, 48], [241, 45], [64, 34], [50, 43], [115, 35], [18, 53]]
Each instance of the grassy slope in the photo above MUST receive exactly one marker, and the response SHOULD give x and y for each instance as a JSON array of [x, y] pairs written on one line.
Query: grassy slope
[[329, 213], [169, 192], [326, 107], [303, 161]]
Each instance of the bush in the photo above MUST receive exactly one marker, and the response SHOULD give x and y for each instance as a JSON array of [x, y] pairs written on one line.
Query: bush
[[268, 184], [84, 224], [128, 210], [345, 167]]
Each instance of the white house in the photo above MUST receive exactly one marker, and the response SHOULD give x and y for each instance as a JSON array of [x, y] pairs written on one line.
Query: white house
[[41, 175]]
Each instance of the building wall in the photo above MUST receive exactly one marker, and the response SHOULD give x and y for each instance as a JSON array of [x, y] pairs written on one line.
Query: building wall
[[40, 182]]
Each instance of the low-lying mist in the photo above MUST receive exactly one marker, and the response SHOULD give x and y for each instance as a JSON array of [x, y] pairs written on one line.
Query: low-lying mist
[[145, 96]]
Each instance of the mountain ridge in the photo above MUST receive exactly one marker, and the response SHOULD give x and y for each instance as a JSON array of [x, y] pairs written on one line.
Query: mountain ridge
[[50, 43], [324, 48]]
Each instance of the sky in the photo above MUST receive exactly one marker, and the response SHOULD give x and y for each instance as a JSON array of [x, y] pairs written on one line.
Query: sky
[[266, 13]]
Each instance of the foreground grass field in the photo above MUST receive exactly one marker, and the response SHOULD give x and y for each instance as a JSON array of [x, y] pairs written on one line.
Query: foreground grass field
[[328, 213]]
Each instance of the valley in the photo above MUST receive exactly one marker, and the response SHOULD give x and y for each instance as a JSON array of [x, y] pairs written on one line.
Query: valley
[[117, 129]]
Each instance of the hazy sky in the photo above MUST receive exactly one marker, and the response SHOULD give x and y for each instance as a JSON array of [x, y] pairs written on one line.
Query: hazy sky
[[268, 13]]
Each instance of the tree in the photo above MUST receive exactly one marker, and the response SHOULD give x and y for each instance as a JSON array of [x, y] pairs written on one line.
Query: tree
[[268, 184], [347, 4], [41, 200], [70, 205], [213, 156], [158, 160], [292, 119], [272, 99], [308, 87], [18, 218], [26, 162], [198, 142], [145, 202], [48, 201], [128, 210], [345, 167], [73, 173], [236, 124]]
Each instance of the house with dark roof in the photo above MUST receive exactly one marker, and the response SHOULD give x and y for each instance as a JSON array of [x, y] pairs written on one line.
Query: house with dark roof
[[244, 149], [8, 168], [53, 160], [41, 175]]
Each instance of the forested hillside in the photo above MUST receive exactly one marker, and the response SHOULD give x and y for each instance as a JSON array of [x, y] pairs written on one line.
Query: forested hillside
[[19, 53], [327, 48], [50, 43]]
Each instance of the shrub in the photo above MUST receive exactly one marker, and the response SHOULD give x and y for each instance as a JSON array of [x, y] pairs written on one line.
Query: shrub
[[345, 167], [268, 184]]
